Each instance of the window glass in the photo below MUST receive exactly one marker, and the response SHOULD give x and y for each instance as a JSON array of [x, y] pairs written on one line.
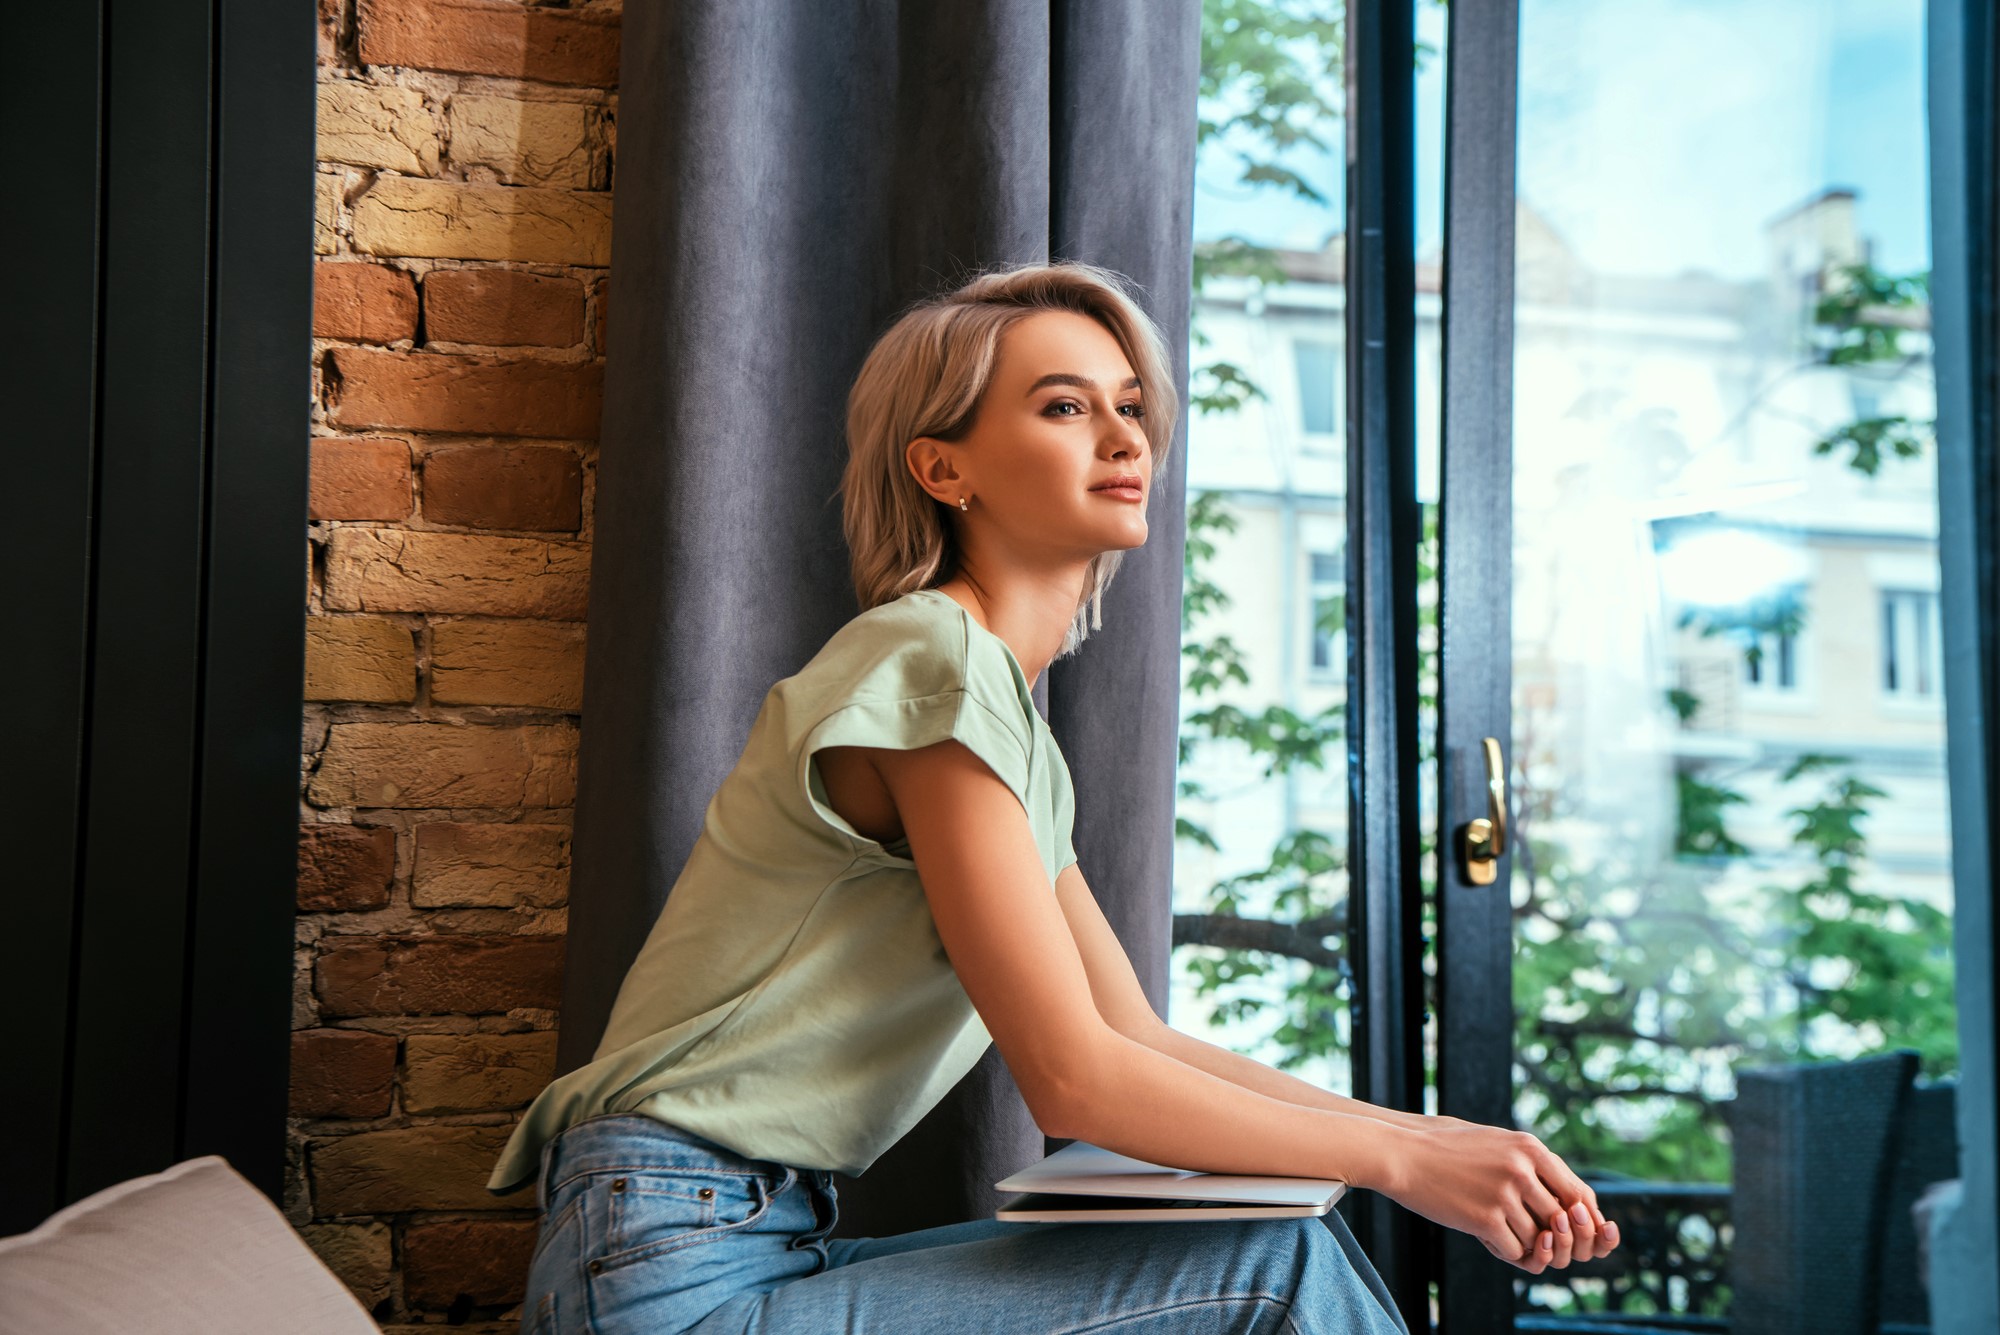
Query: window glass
[[1261, 961]]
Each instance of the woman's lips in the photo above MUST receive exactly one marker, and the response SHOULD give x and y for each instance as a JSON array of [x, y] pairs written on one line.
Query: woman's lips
[[1120, 493]]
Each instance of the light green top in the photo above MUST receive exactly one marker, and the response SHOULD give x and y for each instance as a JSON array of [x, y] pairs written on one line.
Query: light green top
[[792, 1001]]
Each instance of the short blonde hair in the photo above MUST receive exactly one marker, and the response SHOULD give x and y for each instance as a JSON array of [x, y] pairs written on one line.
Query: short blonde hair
[[926, 377]]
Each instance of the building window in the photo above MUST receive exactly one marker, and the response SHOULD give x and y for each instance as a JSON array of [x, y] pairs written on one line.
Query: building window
[[1912, 644], [1772, 663], [1318, 363], [1327, 597]]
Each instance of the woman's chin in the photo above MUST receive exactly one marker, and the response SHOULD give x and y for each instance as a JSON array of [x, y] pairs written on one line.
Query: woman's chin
[[1099, 539], [1124, 543]]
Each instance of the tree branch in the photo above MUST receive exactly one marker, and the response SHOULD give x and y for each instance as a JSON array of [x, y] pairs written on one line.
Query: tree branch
[[1304, 940]]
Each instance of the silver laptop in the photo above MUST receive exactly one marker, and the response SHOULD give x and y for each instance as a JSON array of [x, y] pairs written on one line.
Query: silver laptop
[[1084, 1182]]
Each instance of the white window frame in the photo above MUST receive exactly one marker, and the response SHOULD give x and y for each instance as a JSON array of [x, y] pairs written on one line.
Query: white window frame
[[1911, 623], [1335, 669], [1318, 442], [1912, 575], [1767, 694]]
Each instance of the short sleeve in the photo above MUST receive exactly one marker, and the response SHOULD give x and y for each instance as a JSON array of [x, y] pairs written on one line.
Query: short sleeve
[[1065, 807], [924, 685]]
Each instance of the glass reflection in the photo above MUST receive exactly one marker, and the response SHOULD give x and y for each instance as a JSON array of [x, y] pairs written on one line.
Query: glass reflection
[[1728, 725], [1260, 888]]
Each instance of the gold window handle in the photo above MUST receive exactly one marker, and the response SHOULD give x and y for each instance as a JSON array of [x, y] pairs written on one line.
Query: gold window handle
[[1486, 836]]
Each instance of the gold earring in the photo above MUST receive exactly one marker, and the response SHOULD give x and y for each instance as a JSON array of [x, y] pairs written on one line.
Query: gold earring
[[961, 503]]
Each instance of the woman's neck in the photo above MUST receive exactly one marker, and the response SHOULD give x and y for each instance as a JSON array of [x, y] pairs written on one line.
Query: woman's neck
[[1032, 614]]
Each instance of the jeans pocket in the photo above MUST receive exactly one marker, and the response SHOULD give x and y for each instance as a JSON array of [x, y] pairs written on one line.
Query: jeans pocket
[[649, 1211]]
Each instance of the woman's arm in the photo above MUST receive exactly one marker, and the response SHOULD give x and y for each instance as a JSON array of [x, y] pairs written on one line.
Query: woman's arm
[[1064, 1035], [1122, 1003]]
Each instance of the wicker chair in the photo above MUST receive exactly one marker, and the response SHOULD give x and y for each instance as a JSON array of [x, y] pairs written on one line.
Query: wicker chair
[[1828, 1161], [1814, 1171]]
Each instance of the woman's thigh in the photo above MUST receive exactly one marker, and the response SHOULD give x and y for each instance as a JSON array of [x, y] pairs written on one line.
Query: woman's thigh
[[1279, 1275]]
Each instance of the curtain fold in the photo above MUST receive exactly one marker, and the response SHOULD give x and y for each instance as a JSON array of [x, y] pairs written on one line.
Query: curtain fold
[[789, 178]]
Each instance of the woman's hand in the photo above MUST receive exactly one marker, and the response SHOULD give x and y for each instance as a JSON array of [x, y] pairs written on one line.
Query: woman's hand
[[1503, 1187]]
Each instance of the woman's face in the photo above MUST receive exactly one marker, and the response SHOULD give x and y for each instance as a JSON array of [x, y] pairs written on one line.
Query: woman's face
[[1062, 418]]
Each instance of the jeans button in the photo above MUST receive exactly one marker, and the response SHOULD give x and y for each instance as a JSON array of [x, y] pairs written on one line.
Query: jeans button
[[706, 1193], [597, 1267], [618, 1184]]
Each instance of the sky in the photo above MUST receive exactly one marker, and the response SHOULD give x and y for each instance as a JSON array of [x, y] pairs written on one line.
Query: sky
[[1660, 136]]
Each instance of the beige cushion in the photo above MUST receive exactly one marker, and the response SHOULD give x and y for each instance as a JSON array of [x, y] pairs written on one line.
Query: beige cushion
[[194, 1249]]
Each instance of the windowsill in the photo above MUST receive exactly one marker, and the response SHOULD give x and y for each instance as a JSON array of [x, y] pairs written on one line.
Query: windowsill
[[1778, 702]]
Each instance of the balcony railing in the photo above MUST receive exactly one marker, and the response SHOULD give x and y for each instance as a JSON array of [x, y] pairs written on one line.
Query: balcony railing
[[1668, 1273]]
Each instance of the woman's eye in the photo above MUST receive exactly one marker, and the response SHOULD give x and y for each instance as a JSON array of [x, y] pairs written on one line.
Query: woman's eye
[[1134, 410]]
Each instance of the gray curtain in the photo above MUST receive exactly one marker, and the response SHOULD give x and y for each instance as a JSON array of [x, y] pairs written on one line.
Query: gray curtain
[[789, 177]]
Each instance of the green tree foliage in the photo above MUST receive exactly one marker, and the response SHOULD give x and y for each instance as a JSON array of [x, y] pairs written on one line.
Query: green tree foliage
[[1862, 318], [1265, 946], [1270, 83]]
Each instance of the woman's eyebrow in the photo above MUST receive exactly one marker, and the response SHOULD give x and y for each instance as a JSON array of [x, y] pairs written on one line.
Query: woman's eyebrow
[[1080, 381]]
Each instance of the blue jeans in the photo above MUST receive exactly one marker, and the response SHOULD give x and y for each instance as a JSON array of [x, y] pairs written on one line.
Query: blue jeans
[[647, 1228]]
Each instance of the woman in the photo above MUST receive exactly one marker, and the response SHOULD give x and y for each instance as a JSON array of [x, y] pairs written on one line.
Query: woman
[[885, 883]]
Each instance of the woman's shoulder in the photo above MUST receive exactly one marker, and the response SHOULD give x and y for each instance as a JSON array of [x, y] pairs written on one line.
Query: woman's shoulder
[[921, 644], [915, 643]]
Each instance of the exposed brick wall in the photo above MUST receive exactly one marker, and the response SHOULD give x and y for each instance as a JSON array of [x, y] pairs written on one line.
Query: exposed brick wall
[[463, 237]]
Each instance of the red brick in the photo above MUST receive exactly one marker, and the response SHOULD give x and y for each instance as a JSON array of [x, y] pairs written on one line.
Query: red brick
[[491, 37], [502, 308], [603, 315], [454, 1073], [329, 31], [408, 570], [397, 1170], [361, 659], [503, 486], [424, 391], [342, 1073], [485, 864], [345, 866], [482, 1261], [359, 479], [446, 763], [439, 975], [485, 661], [364, 303]]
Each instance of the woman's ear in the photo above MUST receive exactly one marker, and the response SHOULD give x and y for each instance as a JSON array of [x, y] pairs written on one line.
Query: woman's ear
[[931, 461]]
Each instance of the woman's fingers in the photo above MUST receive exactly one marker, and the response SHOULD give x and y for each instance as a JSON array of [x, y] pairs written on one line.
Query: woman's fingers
[[1596, 1214], [1527, 1232], [1501, 1253], [1559, 1174], [1584, 1241], [1562, 1241], [1563, 1181], [1510, 1234], [1506, 1247], [1541, 1202]]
